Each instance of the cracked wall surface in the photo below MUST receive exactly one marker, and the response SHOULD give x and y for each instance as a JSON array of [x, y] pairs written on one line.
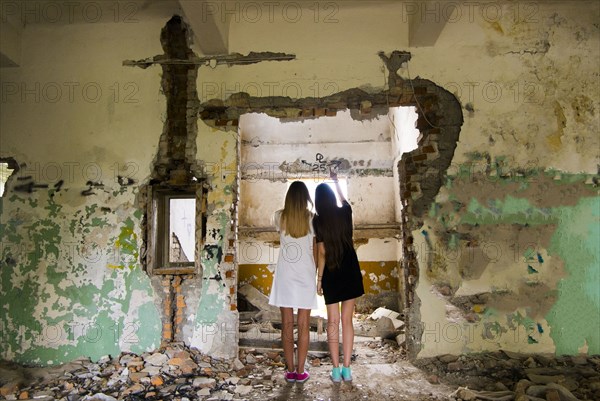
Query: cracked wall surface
[[71, 220], [518, 200]]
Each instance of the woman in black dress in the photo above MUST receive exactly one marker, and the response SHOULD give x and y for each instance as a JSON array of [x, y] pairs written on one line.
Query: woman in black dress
[[339, 275]]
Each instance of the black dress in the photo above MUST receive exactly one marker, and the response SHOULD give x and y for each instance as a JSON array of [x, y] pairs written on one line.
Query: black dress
[[345, 282]]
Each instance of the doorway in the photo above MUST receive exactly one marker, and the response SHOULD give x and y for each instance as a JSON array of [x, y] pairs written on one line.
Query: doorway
[[274, 152]]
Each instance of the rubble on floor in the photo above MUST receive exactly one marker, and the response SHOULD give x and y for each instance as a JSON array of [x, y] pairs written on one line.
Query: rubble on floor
[[380, 367], [173, 372], [178, 373], [504, 375]]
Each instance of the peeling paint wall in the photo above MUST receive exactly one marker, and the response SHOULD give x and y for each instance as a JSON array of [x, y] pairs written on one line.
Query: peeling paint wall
[[70, 280], [213, 321], [508, 252], [519, 204], [512, 265]]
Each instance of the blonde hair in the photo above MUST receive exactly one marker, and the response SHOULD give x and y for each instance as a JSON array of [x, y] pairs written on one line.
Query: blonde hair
[[295, 217]]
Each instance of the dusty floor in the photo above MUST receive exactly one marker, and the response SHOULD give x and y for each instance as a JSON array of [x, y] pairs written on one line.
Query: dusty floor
[[380, 368], [380, 372]]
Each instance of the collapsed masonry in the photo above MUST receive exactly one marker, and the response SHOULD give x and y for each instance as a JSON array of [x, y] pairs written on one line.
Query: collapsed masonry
[[175, 170], [421, 171], [261, 326], [178, 172]]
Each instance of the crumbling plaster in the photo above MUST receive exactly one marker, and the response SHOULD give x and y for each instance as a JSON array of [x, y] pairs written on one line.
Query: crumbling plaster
[[543, 125], [528, 94]]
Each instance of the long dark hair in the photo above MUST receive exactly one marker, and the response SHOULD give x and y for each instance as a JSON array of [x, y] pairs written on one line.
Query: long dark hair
[[334, 227]]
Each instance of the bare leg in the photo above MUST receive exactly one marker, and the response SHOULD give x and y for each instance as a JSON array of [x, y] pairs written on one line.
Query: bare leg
[[347, 330], [287, 336], [303, 334], [333, 332]]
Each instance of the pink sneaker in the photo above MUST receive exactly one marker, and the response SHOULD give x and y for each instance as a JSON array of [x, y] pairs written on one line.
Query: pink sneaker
[[302, 377], [290, 377]]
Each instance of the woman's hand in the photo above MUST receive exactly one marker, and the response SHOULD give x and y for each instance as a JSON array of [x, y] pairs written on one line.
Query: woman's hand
[[319, 288], [333, 174]]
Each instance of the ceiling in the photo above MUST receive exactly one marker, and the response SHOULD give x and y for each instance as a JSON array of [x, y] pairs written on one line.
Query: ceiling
[[208, 22]]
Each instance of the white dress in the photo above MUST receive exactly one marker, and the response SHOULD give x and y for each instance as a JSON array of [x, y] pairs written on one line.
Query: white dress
[[294, 283]]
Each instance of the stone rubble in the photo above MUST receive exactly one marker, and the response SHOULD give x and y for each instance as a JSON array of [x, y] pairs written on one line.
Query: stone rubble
[[176, 372], [504, 375]]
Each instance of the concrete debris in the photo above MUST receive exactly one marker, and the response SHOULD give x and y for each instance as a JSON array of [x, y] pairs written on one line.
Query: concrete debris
[[187, 374], [385, 328], [380, 366], [381, 313], [502, 375], [388, 324], [257, 299]]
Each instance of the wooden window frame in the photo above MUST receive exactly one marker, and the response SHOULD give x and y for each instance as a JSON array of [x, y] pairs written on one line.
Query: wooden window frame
[[158, 229]]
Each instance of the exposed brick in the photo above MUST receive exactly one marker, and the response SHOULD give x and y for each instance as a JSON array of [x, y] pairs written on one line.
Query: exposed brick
[[229, 258], [319, 112], [337, 105]]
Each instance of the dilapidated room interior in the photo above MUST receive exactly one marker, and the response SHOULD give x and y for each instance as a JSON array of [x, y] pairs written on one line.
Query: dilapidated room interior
[[145, 144]]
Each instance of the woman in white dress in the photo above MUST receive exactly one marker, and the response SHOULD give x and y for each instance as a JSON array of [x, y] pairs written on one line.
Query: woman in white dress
[[294, 283]]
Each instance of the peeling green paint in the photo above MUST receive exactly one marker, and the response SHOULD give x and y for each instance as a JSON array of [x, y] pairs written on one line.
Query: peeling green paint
[[72, 306], [550, 290], [212, 300], [212, 305], [510, 210], [575, 317], [127, 245]]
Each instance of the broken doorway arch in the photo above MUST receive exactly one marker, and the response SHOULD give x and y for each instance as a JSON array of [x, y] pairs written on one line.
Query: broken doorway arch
[[421, 171]]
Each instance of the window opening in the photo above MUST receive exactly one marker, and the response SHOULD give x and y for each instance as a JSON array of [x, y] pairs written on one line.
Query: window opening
[[173, 224], [182, 229], [312, 183], [5, 173]]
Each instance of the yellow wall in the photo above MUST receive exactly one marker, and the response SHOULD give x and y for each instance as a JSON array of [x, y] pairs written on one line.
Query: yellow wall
[[377, 276]]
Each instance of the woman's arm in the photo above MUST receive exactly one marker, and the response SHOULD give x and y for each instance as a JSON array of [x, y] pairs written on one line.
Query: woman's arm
[[334, 177], [320, 265]]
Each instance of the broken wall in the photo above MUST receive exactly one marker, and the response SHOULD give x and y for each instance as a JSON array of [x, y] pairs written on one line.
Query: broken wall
[[84, 131], [525, 75], [71, 284], [508, 251], [276, 152], [523, 180]]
